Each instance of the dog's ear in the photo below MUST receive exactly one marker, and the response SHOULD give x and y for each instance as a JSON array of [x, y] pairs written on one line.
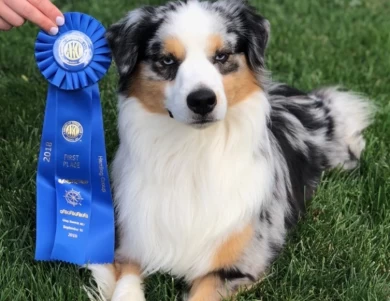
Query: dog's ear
[[128, 40], [256, 33]]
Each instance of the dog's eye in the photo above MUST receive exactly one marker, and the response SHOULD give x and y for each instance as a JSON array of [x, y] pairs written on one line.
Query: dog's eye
[[221, 57], [167, 61]]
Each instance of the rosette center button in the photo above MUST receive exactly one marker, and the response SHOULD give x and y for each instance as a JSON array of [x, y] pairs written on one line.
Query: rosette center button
[[73, 50]]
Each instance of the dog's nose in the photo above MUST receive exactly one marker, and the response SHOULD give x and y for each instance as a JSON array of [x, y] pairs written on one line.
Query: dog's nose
[[202, 101]]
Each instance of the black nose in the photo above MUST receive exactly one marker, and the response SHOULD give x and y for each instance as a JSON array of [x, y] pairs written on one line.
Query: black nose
[[202, 101]]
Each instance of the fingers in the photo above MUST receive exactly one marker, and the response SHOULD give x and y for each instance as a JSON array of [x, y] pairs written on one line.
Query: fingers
[[28, 11], [9, 16], [49, 10], [4, 25]]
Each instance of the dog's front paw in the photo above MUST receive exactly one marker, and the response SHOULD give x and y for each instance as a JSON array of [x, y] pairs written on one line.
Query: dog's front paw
[[129, 288]]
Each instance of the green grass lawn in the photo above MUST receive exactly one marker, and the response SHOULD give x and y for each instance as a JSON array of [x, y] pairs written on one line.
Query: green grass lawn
[[340, 251]]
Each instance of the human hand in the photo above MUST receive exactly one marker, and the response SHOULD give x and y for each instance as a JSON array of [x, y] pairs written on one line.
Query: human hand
[[41, 12]]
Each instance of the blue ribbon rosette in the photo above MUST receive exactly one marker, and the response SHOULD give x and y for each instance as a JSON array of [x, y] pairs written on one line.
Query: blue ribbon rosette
[[75, 215]]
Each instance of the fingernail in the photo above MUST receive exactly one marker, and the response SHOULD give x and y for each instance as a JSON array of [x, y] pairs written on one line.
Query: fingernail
[[60, 21], [53, 31]]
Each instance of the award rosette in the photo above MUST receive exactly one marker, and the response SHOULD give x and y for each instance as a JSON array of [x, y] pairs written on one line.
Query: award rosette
[[75, 215]]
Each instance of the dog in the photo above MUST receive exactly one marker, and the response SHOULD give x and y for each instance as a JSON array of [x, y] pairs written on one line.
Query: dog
[[215, 160]]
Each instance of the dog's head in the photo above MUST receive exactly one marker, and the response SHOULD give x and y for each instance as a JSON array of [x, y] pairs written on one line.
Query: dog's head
[[190, 60]]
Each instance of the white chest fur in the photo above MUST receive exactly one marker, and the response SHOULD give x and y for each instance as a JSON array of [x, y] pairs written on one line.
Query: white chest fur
[[180, 191]]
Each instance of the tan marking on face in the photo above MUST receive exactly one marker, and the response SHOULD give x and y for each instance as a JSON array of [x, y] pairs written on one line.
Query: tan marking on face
[[214, 43], [239, 85], [175, 47], [149, 92], [230, 251], [208, 288]]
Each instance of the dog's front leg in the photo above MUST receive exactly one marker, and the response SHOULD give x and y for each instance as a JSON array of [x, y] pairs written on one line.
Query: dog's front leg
[[218, 283], [129, 283], [207, 288]]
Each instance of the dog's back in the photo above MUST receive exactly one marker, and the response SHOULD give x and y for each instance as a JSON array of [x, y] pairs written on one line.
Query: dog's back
[[316, 131]]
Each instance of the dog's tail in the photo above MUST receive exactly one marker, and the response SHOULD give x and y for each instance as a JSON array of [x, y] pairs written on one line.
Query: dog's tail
[[105, 282], [350, 114]]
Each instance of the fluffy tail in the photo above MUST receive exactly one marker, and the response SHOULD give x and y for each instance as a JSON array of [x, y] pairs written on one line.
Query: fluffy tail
[[105, 282], [350, 114]]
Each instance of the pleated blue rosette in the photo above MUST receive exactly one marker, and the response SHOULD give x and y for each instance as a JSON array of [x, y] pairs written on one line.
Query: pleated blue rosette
[[75, 216]]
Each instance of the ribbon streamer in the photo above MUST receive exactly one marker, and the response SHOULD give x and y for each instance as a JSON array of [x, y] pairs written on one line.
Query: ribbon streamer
[[75, 215]]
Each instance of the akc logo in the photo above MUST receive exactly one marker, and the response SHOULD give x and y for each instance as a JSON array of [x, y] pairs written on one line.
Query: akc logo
[[73, 50], [72, 131]]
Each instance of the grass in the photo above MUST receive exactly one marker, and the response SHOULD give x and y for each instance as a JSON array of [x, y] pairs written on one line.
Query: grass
[[340, 251]]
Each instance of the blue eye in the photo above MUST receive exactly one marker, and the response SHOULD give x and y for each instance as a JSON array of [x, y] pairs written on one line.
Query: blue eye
[[221, 57], [167, 61]]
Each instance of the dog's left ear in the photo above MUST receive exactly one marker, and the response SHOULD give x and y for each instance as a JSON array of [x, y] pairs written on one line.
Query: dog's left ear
[[256, 35], [128, 39]]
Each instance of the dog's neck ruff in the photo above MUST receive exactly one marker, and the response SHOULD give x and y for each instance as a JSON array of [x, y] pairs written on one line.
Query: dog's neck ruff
[[182, 190]]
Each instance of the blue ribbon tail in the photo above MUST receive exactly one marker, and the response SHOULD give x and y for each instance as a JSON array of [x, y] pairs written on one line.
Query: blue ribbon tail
[[102, 218], [73, 174], [46, 193]]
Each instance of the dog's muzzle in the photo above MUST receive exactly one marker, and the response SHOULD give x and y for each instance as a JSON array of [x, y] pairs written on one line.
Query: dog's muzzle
[[202, 101]]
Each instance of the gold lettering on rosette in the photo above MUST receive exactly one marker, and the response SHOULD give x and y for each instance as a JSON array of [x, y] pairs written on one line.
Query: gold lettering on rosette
[[73, 50]]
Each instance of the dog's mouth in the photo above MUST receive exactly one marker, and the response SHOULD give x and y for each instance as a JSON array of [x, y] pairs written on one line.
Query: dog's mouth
[[202, 121], [197, 123]]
